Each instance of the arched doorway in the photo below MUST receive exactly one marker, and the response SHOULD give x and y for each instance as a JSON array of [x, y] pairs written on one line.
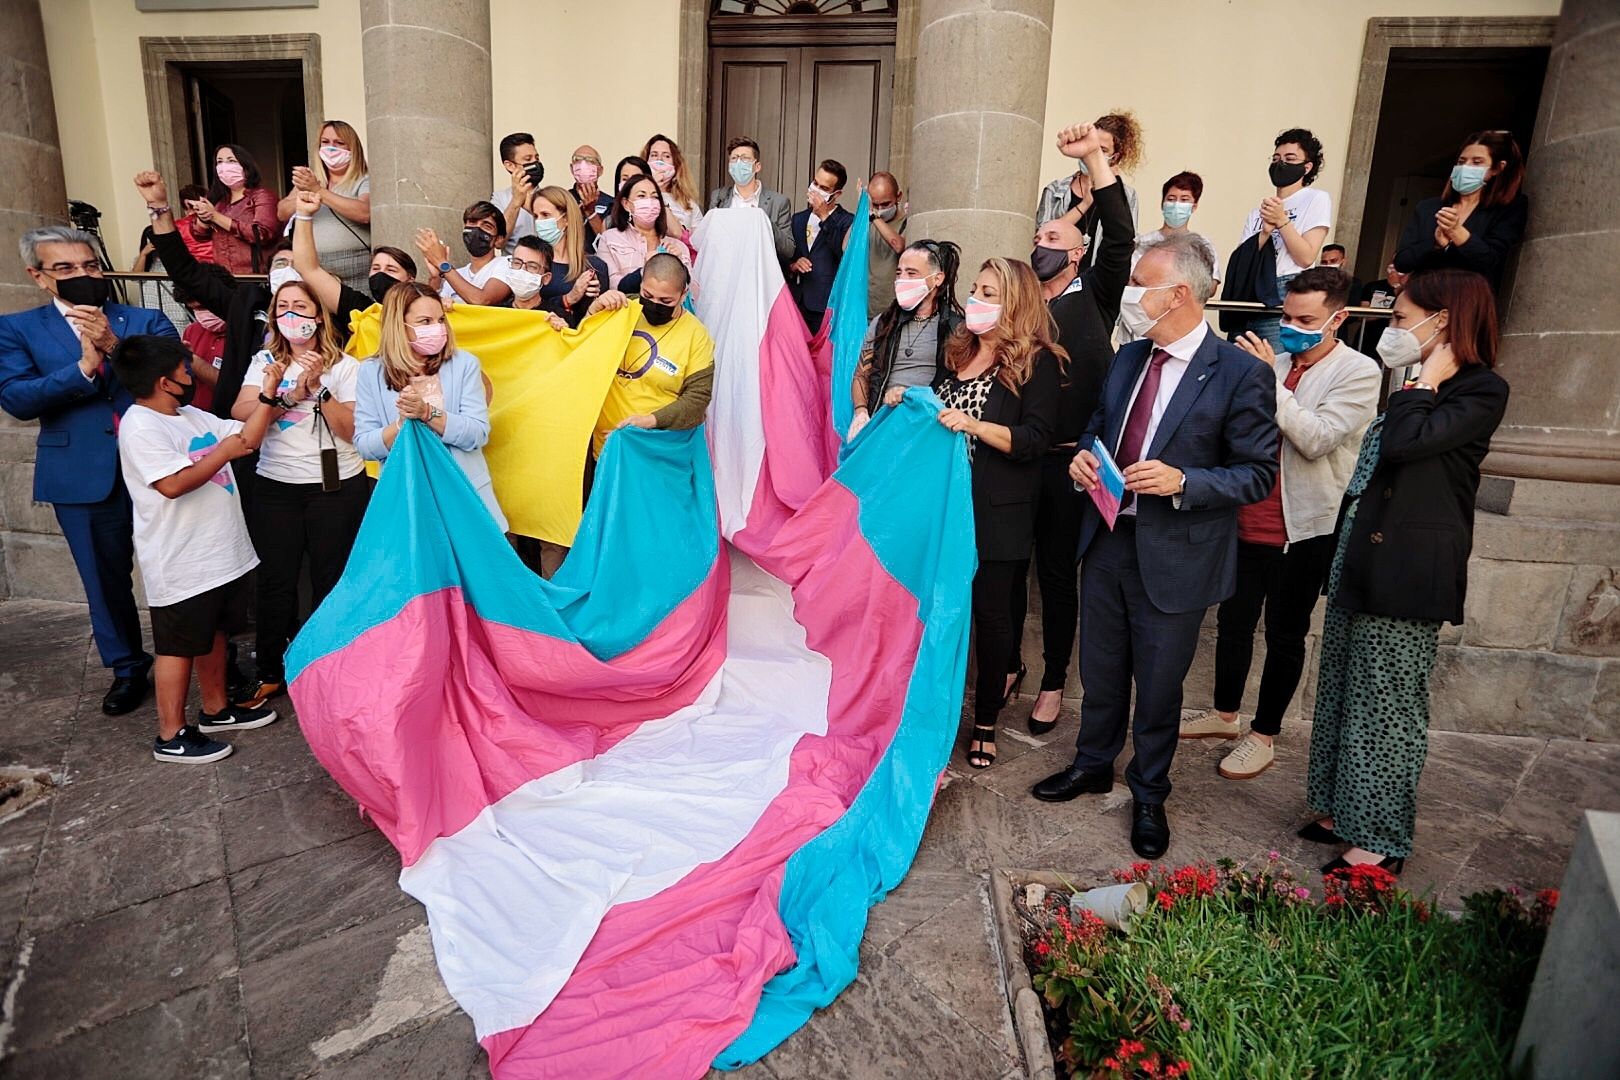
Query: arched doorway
[[807, 80]]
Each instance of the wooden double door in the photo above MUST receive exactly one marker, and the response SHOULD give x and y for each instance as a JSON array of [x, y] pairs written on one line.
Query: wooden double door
[[802, 104]]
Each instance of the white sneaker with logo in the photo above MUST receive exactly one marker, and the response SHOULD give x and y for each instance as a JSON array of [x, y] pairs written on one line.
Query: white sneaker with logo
[[1248, 759]]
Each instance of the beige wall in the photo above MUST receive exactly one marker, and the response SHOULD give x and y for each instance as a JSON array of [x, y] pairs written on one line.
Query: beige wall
[[95, 54], [1203, 81], [565, 71]]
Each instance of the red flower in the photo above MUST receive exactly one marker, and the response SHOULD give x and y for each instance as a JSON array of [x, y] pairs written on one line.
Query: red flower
[[1167, 900]]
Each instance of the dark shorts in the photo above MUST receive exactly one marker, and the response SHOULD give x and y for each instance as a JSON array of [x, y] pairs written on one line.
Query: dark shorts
[[188, 627]]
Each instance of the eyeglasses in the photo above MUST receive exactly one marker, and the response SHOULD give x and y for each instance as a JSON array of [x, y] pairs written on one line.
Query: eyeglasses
[[586, 161], [60, 269], [531, 267]]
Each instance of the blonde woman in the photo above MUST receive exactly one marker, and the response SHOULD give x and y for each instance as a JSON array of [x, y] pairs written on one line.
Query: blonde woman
[[419, 374], [1000, 386], [343, 222], [577, 276], [311, 489], [675, 181]]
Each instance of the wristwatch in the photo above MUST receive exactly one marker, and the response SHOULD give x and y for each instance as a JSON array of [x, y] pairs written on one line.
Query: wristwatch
[[324, 396], [434, 413], [445, 268]]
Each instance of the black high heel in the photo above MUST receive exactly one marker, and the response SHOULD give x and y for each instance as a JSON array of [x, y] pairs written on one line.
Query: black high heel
[[1394, 864], [1041, 727], [1317, 833], [1017, 685], [981, 759]]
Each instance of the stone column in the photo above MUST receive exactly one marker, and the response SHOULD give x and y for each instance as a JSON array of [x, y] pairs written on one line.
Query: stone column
[[32, 191], [1563, 318], [979, 122], [428, 129]]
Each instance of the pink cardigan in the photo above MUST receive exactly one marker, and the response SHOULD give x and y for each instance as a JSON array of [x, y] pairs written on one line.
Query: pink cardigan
[[625, 251]]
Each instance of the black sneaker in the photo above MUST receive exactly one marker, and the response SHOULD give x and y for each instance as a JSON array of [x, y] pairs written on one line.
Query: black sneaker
[[237, 684], [235, 718], [190, 747]]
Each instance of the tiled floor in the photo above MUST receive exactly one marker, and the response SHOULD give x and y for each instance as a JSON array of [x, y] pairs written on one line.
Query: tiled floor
[[240, 920]]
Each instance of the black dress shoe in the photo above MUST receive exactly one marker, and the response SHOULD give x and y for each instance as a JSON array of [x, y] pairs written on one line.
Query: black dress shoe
[[1063, 786], [125, 696], [1317, 833], [1150, 830]]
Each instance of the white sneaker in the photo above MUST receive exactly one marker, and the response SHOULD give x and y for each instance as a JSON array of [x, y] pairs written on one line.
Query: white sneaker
[[1209, 725], [1248, 759]]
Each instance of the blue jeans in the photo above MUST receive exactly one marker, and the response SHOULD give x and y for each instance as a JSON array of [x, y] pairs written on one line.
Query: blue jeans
[[1267, 326]]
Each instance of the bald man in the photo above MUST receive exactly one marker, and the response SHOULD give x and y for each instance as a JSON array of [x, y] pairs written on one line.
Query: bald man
[[1084, 305], [887, 240], [585, 164]]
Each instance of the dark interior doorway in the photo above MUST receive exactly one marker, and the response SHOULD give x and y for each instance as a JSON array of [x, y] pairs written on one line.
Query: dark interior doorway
[[258, 104], [1433, 98]]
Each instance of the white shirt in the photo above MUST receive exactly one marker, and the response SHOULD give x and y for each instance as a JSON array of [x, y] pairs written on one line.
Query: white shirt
[[1181, 353], [291, 452], [525, 220], [739, 199], [1308, 208], [498, 267], [199, 541]]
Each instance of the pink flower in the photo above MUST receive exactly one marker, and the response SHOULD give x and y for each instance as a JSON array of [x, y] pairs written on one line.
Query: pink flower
[[1302, 893], [1273, 855]]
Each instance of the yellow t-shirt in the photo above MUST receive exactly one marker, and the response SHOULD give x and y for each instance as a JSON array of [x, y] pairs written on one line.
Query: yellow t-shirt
[[656, 362]]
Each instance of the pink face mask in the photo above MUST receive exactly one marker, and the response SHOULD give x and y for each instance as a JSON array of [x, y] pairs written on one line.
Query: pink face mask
[[645, 210], [230, 173], [909, 292], [296, 328], [585, 172], [662, 171], [980, 316], [337, 158], [208, 320], [429, 340]]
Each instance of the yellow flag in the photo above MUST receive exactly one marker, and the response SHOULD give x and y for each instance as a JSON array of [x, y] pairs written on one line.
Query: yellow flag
[[548, 392]]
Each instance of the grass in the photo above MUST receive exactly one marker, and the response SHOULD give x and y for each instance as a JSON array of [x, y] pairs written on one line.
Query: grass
[[1240, 974]]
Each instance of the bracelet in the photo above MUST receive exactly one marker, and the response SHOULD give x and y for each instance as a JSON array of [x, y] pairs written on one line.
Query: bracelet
[[156, 211], [266, 399], [303, 217]]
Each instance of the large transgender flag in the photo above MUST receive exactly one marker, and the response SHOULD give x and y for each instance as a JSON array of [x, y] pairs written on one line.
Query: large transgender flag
[[648, 804]]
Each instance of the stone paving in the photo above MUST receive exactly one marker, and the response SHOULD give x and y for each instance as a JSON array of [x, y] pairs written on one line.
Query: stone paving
[[241, 920]]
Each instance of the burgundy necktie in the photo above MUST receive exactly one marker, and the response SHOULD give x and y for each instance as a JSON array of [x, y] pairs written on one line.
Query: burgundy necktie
[[1136, 424]]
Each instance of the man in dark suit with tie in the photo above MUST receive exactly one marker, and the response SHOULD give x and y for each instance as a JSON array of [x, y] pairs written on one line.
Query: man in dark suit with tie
[[819, 233], [1191, 420], [53, 369]]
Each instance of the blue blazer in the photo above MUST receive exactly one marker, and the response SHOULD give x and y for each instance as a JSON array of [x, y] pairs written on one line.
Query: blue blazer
[[1220, 428], [813, 289], [76, 454]]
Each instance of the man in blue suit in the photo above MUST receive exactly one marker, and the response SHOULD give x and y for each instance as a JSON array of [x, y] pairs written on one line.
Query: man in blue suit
[[820, 232], [1191, 420], [53, 369]]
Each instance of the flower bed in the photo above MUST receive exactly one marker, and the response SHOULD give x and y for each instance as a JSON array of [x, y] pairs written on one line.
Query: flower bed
[[1241, 971]]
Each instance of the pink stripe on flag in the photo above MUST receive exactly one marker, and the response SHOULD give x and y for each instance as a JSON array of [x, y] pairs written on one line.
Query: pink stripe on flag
[[669, 981], [423, 765]]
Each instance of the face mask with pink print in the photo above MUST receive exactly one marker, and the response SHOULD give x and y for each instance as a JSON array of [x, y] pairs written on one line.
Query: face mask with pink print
[[297, 328]]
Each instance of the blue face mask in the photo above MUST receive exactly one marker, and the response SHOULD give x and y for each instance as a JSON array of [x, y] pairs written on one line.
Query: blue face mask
[[548, 229], [1295, 341], [1467, 179], [1177, 214], [742, 172]]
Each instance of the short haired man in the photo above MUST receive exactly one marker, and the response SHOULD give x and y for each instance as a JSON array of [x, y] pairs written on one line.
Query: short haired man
[[1327, 394], [885, 241], [53, 369], [820, 232], [1191, 421], [483, 279], [744, 165], [529, 274], [521, 161], [1334, 255]]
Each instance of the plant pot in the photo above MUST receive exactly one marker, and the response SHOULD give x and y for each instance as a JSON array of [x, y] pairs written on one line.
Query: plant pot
[[1115, 905]]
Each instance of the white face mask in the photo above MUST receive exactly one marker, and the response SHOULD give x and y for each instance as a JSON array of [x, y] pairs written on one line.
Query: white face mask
[[524, 283], [1131, 313], [1399, 348], [280, 275]]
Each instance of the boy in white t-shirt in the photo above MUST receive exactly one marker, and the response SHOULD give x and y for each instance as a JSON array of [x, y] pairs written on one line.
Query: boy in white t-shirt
[[1295, 220], [486, 277], [190, 538]]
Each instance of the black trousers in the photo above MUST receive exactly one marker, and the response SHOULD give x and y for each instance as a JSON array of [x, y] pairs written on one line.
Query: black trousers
[[1057, 535], [291, 521], [1286, 582], [994, 644], [1127, 640]]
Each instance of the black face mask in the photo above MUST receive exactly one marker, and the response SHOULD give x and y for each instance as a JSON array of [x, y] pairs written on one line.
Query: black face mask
[[380, 283], [86, 290], [477, 242], [1284, 173], [188, 391], [536, 171], [655, 313], [1047, 262]]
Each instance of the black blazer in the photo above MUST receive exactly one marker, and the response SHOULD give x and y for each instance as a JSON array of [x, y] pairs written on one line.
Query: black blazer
[[1493, 232], [1085, 317], [1407, 556], [812, 290], [1005, 486], [244, 306]]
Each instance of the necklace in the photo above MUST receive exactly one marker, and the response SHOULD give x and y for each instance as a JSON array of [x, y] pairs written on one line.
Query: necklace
[[908, 342]]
